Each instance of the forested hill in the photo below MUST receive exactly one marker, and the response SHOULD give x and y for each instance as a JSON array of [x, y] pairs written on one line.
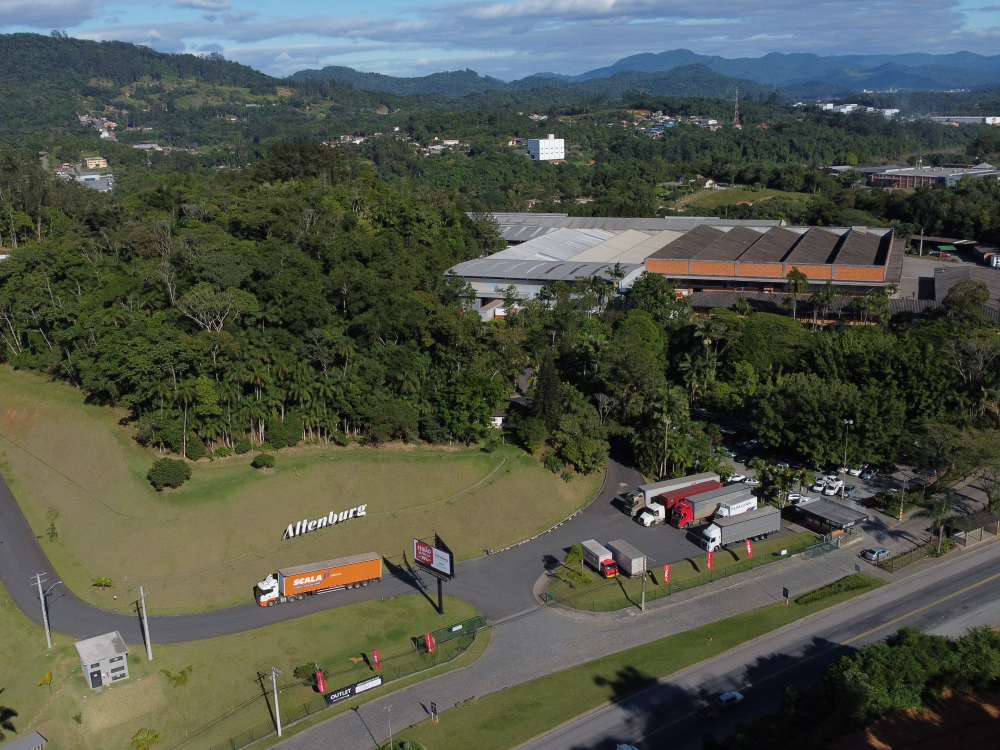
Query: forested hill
[[688, 80]]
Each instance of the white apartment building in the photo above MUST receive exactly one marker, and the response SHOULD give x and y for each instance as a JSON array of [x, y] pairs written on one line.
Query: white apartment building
[[546, 149]]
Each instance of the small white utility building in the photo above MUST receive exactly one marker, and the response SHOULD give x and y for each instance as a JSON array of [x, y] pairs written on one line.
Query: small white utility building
[[104, 659], [547, 149]]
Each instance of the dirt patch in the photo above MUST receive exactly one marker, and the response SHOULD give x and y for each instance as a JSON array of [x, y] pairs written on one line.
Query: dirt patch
[[955, 723]]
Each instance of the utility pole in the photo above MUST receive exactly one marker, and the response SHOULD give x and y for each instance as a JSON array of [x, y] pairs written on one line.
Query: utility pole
[[921, 243], [843, 486], [902, 496], [642, 607], [388, 711], [274, 683], [145, 625], [45, 610]]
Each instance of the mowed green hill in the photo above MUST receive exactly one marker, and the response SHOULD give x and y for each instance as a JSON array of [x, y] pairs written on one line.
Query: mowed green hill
[[206, 544]]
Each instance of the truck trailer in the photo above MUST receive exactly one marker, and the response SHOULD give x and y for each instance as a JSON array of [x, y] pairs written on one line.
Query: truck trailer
[[666, 493], [291, 584], [599, 558], [756, 524], [630, 561], [689, 511], [736, 506]]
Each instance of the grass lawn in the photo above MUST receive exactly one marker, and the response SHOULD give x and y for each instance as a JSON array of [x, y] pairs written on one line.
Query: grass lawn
[[222, 697], [207, 543], [622, 592], [510, 717], [730, 196]]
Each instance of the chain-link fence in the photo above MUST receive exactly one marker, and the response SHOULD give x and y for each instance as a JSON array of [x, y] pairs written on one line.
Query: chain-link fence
[[900, 561], [451, 642]]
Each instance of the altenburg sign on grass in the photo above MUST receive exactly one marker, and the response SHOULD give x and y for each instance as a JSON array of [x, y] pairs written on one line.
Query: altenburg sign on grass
[[305, 526]]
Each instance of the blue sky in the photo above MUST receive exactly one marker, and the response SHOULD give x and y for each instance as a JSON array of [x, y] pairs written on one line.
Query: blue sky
[[512, 38]]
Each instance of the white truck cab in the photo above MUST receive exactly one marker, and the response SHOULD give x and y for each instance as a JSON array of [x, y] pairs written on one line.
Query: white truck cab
[[267, 589]]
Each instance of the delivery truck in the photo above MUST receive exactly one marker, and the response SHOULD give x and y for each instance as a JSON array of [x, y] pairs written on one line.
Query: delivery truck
[[599, 558], [756, 524], [736, 506], [668, 492], [693, 509], [291, 584], [630, 561]]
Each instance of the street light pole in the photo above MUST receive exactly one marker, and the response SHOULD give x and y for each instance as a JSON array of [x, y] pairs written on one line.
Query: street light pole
[[274, 683], [45, 609], [847, 426], [902, 496], [145, 625], [388, 711]]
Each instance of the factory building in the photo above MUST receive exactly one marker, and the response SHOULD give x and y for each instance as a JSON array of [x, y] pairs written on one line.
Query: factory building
[[696, 253], [547, 149], [912, 177]]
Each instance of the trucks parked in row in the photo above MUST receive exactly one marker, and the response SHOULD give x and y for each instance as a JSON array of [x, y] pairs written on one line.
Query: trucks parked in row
[[756, 524], [291, 584], [668, 492], [599, 558], [630, 561], [689, 511]]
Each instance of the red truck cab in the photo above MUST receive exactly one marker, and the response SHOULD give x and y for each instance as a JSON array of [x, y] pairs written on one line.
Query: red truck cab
[[681, 515], [609, 568]]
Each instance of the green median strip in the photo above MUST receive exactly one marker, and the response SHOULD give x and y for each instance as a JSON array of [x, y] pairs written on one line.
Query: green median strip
[[510, 717]]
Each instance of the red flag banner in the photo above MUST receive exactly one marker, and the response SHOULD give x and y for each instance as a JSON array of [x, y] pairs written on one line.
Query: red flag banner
[[429, 639], [666, 574], [378, 663], [709, 560], [749, 549]]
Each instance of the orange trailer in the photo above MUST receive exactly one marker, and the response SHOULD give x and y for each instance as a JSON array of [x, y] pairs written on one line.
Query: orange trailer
[[292, 584]]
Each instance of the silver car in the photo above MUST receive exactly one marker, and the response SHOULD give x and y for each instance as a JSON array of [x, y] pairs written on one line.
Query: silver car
[[876, 554]]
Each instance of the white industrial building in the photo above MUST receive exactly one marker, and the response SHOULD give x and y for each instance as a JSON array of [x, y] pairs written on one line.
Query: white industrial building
[[104, 659], [547, 149]]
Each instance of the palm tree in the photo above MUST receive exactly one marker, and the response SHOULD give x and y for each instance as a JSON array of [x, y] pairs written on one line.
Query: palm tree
[[798, 283], [938, 512], [825, 297], [742, 307], [145, 739], [6, 714], [670, 407]]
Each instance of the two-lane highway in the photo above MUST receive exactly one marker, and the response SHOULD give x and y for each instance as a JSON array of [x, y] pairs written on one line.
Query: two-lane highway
[[948, 599]]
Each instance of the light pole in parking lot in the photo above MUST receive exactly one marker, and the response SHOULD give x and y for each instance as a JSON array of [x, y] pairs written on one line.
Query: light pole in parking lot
[[847, 432]]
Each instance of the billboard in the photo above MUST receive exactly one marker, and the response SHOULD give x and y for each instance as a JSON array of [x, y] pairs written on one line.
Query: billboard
[[355, 689], [435, 560]]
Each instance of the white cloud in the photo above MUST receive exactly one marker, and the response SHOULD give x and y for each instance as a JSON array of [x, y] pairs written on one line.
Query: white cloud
[[48, 14], [202, 4]]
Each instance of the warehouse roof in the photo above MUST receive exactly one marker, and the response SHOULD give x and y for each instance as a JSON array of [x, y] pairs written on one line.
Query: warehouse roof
[[521, 227], [771, 246], [946, 278], [690, 244], [833, 514], [730, 246], [534, 270], [817, 247], [31, 741], [557, 245]]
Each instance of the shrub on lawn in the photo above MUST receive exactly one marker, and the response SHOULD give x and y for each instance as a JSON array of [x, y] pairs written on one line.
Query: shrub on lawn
[[196, 448], [243, 447], [222, 452], [263, 461], [552, 462], [853, 582], [168, 472]]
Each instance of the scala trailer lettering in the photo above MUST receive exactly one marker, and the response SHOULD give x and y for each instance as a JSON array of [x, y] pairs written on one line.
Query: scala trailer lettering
[[305, 526]]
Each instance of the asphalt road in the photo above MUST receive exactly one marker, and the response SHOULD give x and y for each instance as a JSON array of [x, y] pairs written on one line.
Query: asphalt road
[[948, 599], [499, 585]]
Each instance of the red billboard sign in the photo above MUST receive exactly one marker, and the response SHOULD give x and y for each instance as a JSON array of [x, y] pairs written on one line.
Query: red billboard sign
[[666, 574], [433, 558], [708, 558], [749, 549], [378, 663], [429, 640]]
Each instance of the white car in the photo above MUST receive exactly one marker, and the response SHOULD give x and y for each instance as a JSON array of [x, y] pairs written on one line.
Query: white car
[[751, 481], [831, 479], [736, 478], [793, 497], [803, 500], [843, 470], [818, 487], [856, 472], [830, 490]]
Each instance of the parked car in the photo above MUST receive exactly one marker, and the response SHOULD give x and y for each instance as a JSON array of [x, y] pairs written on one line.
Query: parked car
[[856, 472], [849, 490], [793, 497], [925, 472], [875, 554], [752, 443], [802, 500], [728, 700], [819, 486], [737, 478], [868, 475], [782, 464], [843, 470], [751, 481], [830, 490]]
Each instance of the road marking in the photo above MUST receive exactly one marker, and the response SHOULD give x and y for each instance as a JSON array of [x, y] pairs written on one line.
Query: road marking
[[842, 643]]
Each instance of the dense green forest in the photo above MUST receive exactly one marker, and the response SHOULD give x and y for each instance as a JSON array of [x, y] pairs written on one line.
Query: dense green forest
[[912, 670], [306, 299]]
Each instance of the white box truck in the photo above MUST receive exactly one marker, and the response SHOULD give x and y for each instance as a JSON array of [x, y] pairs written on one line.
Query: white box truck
[[599, 558], [739, 506], [756, 524], [630, 561]]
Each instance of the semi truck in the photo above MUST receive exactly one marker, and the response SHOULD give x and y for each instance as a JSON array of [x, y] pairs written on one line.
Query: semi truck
[[652, 514], [292, 584], [736, 506], [630, 560], [599, 558], [756, 524], [697, 507], [666, 493]]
